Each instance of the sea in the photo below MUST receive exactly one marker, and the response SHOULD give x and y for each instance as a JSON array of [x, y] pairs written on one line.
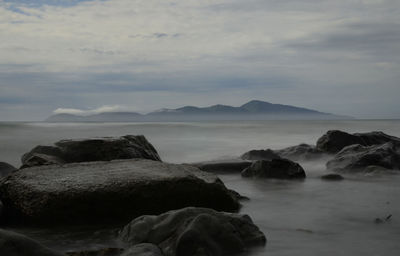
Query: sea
[[310, 217]]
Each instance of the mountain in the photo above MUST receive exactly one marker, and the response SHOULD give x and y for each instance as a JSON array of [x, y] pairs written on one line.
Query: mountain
[[252, 110]]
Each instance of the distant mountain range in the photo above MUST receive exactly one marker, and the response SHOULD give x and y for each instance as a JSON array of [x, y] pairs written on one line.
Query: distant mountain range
[[253, 110]]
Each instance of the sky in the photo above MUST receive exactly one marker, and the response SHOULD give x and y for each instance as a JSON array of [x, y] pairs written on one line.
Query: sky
[[71, 56]]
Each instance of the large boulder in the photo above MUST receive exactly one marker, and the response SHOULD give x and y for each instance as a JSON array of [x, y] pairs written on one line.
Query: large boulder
[[109, 191], [227, 166], [195, 231], [300, 152], [364, 158], [14, 244], [260, 154], [276, 168], [94, 149], [5, 169], [334, 140]]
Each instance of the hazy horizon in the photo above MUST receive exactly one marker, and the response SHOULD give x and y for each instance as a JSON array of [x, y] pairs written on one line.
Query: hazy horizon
[[339, 57]]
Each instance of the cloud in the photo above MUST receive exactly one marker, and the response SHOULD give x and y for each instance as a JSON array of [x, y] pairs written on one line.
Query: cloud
[[82, 112], [84, 54]]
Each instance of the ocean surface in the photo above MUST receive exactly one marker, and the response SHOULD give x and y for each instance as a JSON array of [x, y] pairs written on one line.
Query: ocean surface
[[310, 217]]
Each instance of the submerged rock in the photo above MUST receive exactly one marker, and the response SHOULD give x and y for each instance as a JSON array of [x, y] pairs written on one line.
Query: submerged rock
[[300, 152], [195, 231], [276, 168], [260, 154], [87, 150], [332, 176], [5, 169], [362, 158], [230, 166], [334, 140], [109, 191], [14, 244]]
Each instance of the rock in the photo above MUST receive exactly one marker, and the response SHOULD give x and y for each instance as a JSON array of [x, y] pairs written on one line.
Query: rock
[[144, 249], [230, 166], [334, 141], [101, 252], [37, 159], [276, 168], [238, 196], [300, 152], [109, 191], [87, 150], [14, 244], [5, 169], [1, 210], [195, 231], [261, 154], [332, 176], [362, 158]]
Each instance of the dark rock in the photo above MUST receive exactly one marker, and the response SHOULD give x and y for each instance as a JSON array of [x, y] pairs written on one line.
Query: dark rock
[[5, 169], [238, 196], [109, 191], [276, 168], [195, 231], [223, 166], [144, 249], [32, 159], [363, 158], [334, 141], [332, 176], [1, 210], [87, 150], [14, 244], [101, 252], [261, 154], [300, 152]]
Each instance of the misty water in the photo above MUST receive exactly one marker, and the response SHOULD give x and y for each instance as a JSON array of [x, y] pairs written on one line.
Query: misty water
[[310, 217]]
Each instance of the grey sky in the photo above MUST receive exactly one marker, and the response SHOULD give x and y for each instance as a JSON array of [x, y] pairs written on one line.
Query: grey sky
[[338, 56]]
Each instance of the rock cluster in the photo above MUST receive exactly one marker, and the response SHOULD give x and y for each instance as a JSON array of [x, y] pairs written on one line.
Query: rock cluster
[[363, 158]]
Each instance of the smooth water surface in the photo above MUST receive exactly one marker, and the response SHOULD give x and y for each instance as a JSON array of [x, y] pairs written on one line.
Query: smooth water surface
[[310, 217]]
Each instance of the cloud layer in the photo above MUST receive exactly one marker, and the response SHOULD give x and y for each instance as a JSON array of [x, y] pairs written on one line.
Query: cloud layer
[[335, 56]]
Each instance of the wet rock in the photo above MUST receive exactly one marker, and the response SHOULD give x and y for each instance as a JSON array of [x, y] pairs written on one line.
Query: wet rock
[[109, 191], [144, 249], [382, 220], [261, 154], [276, 168], [230, 166], [332, 176], [95, 149], [101, 252], [334, 141], [14, 244], [362, 158], [5, 169], [300, 152], [238, 196], [195, 231]]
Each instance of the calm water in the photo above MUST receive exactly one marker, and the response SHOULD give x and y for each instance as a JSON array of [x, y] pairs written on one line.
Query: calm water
[[312, 217]]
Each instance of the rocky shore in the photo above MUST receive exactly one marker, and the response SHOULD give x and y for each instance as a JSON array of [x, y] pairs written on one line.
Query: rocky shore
[[171, 209]]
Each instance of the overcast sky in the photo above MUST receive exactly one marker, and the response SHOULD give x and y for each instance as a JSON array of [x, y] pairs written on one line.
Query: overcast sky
[[339, 56]]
